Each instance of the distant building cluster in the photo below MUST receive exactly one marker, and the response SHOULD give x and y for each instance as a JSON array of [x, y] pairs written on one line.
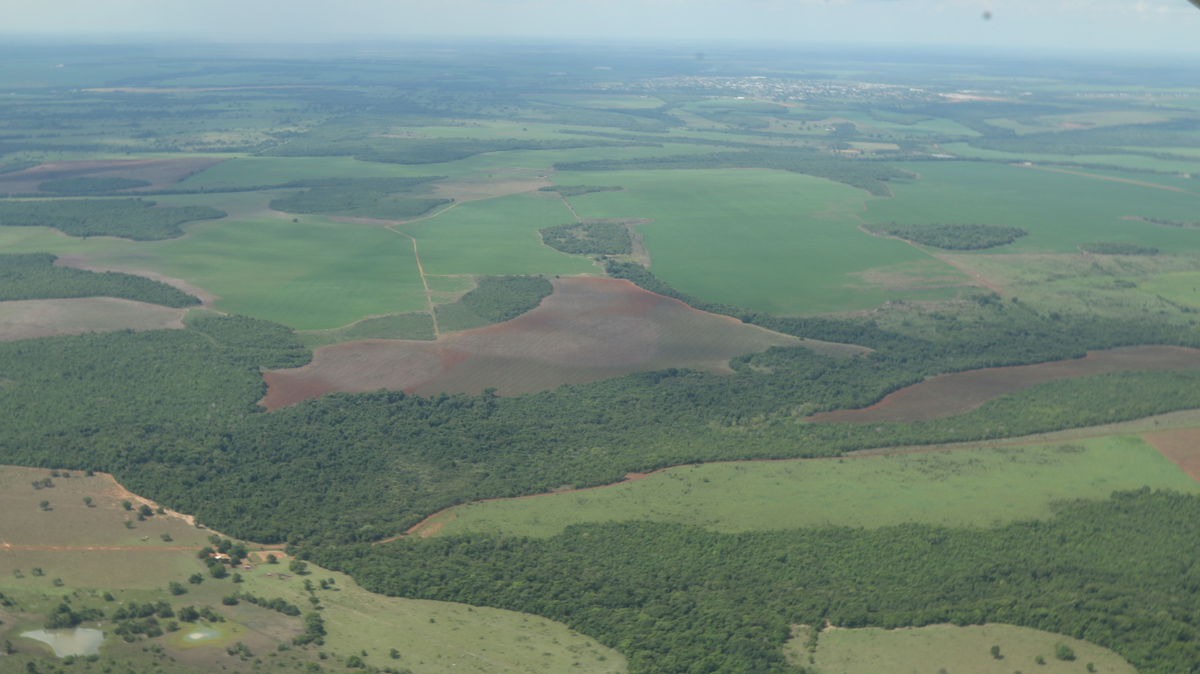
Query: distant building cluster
[[774, 88]]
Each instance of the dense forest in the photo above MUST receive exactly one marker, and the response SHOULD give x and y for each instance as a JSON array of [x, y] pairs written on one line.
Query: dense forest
[[364, 197], [496, 299], [682, 599], [126, 218], [954, 236], [33, 276], [578, 190], [867, 175], [84, 185], [590, 237], [1117, 248]]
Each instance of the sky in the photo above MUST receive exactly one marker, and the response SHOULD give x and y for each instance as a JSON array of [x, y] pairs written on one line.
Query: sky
[[1093, 25]]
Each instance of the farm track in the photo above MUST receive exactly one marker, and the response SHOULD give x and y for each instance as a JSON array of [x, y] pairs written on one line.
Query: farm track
[[424, 282], [1115, 180]]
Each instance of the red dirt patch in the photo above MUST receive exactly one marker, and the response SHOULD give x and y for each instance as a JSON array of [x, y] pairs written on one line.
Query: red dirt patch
[[950, 394], [160, 173], [1181, 446], [588, 329]]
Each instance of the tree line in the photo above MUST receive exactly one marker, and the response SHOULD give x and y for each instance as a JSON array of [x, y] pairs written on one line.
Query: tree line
[[126, 218], [33, 276]]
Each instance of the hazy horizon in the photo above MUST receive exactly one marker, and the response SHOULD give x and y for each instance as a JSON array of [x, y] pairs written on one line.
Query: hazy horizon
[[1164, 26]]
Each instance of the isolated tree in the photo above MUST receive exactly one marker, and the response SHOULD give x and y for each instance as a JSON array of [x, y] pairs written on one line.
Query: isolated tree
[[128, 524], [166, 537], [1040, 660], [298, 567], [195, 579], [237, 578], [1064, 652], [145, 510], [218, 571], [272, 559], [176, 588], [87, 501], [44, 505], [395, 654], [996, 652], [128, 505], [37, 571]]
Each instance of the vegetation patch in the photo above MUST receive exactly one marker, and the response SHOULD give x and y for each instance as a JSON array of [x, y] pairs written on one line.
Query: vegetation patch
[[85, 185], [27, 319], [980, 649], [363, 197], [954, 236], [500, 298], [590, 237], [34, 276], [578, 190], [973, 488], [1170, 223], [20, 165], [411, 325], [125, 218], [1117, 248]]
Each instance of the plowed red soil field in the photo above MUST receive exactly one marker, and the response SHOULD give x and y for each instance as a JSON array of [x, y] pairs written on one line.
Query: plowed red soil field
[[160, 173], [588, 329], [951, 394], [1181, 446]]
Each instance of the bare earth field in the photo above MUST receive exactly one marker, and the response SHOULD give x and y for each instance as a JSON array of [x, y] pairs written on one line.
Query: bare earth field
[[1181, 446], [159, 172], [588, 329], [25, 319], [951, 394]]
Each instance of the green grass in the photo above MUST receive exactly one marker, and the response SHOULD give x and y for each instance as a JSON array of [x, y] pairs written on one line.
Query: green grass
[[1180, 287], [976, 487], [496, 237], [1059, 210], [1130, 161], [778, 242], [946, 648], [432, 637]]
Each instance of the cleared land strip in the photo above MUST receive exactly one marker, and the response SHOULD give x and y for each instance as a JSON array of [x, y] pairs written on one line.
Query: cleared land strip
[[1115, 180], [424, 282], [1184, 422]]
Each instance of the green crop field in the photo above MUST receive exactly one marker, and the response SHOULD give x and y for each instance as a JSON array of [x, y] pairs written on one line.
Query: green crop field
[[768, 240], [976, 487], [946, 648], [497, 237], [1060, 210]]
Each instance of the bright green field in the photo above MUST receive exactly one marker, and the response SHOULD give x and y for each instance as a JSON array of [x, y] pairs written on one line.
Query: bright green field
[[1060, 210], [1180, 287], [779, 242], [976, 487], [947, 648], [1131, 161], [314, 274], [494, 237]]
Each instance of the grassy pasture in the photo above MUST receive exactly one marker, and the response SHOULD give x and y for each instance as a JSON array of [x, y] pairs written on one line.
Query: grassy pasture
[[1060, 210], [411, 325], [1131, 161], [1178, 287], [435, 637], [768, 240], [975, 487], [947, 648]]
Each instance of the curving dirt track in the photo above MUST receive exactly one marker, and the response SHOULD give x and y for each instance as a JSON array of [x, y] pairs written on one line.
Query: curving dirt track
[[588, 329], [950, 394]]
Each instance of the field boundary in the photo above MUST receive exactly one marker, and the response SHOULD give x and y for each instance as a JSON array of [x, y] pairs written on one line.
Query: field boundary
[[1191, 420]]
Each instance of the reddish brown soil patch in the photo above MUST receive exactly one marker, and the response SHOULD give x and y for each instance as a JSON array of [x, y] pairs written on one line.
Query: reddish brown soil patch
[[951, 394], [160, 173], [1181, 446], [588, 329]]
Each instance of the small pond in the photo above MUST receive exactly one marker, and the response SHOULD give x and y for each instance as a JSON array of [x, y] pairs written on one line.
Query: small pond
[[202, 633], [78, 641]]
